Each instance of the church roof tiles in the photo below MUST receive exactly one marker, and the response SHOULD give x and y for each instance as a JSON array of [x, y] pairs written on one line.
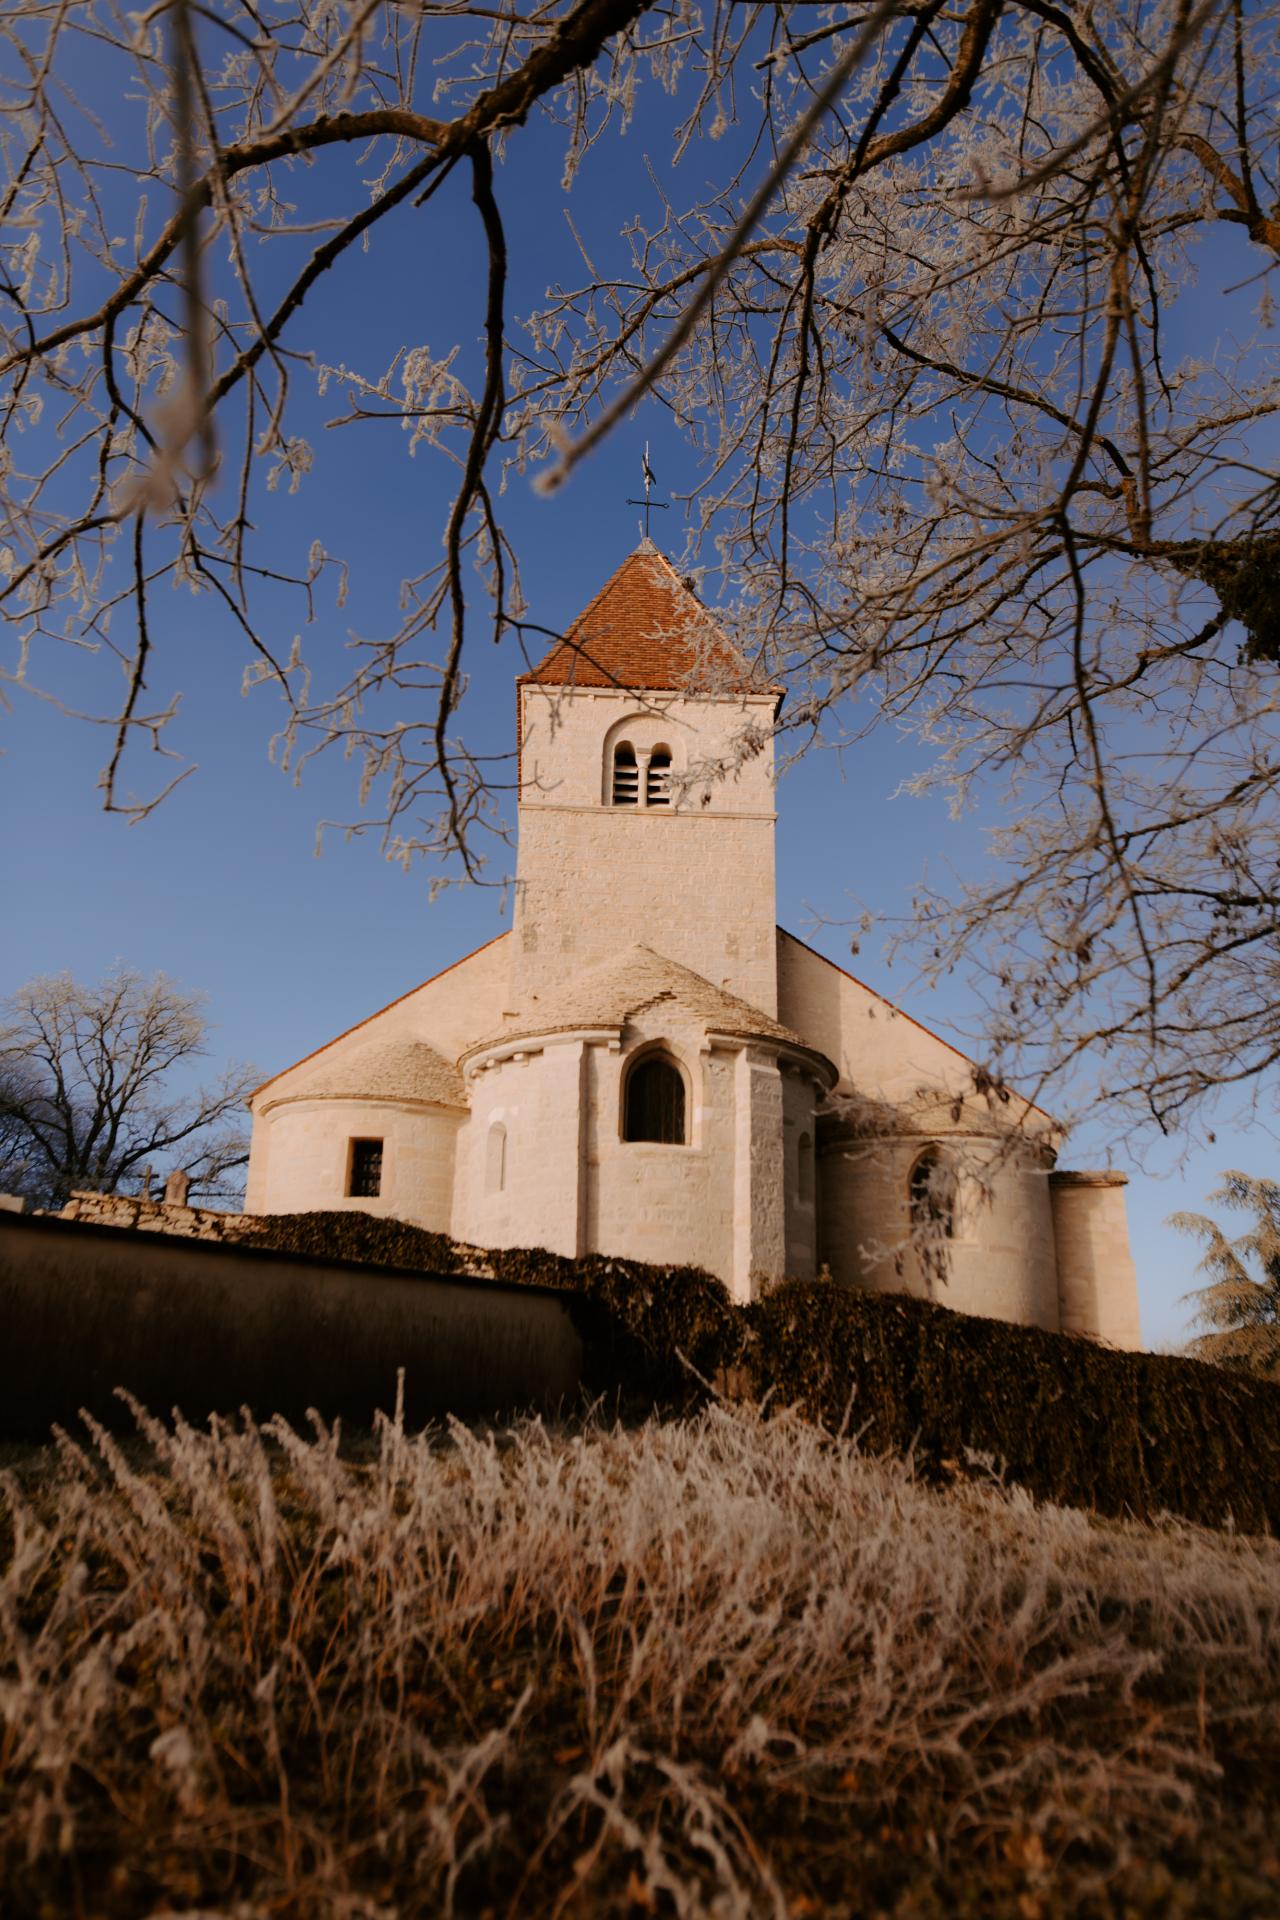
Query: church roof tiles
[[647, 628], [388, 1070], [611, 992]]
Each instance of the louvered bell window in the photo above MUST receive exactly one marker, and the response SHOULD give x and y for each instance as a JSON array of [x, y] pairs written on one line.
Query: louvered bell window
[[626, 776], [658, 792]]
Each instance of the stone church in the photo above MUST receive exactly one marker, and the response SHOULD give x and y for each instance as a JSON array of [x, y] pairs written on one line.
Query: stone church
[[648, 1065]]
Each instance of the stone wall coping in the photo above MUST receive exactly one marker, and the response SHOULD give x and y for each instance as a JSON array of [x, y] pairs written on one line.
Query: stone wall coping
[[1088, 1177], [402, 1102], [807, 1059], [644, 696], [674, 812], [838, 1135], [145, 1202], [283, 1256], [481, 1058]]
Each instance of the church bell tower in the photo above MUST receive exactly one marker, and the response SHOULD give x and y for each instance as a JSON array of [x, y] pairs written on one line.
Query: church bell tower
[[646, 810]]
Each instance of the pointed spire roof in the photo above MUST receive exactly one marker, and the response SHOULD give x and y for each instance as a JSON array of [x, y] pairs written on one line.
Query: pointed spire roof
[[647, 628]]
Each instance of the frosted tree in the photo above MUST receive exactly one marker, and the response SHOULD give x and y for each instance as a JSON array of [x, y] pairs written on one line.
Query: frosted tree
[[92, 1094], [1240, 1311], [957, 473]]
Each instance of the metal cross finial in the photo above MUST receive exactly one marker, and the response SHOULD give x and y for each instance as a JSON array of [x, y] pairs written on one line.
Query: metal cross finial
[[649, 483]]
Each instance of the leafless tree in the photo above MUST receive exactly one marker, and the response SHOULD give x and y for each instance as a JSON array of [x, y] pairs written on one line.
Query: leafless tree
[[957, 474], [85, 1090], [22, 1167]]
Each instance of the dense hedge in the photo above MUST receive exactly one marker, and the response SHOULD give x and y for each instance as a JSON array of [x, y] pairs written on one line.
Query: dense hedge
[[1071, 1422], [1122, 1433], [658, 1332], [354, 1236]]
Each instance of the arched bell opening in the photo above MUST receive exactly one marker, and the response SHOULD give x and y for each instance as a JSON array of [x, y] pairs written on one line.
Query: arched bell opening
[[625, 787]]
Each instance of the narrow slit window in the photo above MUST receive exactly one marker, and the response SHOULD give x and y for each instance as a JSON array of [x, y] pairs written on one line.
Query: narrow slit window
[[806, 1170], [658, 790], [495, 1166], [365, 1181], [654, 1106], [626, 776]]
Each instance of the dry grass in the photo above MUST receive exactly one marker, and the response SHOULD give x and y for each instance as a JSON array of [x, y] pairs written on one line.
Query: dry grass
[[726, 1667]]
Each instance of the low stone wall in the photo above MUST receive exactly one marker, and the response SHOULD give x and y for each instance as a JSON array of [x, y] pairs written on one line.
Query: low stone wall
[[155, 1216], [208, 1328]]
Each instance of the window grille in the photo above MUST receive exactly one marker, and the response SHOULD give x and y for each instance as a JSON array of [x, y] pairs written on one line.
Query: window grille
[[365, 1182], [626, 776], [654, 1106]]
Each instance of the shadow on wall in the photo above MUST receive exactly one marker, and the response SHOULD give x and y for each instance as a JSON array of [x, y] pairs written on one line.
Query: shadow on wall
[[213, 1328], [819, 1014]]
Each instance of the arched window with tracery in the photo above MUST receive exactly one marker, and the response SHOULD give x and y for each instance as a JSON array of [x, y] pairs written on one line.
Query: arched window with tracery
[[626, 776], [933, 1199], [658, 778], [653, 1106]]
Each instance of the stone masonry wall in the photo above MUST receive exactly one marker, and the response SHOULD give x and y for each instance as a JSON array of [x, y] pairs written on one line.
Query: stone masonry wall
[[654, 1202], [1000, 1262], [567, 734], [449, 1011], [881, 1054], [693, 880], [1097, 1282], [697, 888], [305, 1148], [534, 1098], [799, 1143], [154, 1216]]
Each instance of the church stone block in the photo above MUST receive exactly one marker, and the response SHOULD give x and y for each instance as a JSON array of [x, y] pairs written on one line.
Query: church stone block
[[1097, 1285]]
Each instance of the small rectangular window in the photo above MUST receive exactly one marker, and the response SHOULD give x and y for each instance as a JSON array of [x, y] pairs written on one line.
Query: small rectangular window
[[365, 1180]]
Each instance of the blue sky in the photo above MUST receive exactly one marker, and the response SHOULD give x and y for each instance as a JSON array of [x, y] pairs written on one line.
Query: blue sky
[[222, 887]]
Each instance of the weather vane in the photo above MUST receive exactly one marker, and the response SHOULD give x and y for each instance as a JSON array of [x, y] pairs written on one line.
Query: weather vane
[[647, 503]]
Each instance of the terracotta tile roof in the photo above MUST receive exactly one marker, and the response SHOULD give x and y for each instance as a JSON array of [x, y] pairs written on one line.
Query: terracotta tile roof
[[647, 628], [609, 993], [388, 1070]]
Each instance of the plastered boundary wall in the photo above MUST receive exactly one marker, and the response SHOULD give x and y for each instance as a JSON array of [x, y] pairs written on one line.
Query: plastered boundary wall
[[212, 1328]]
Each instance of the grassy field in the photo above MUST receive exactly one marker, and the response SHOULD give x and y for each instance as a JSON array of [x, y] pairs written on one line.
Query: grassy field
[[726, 1666]]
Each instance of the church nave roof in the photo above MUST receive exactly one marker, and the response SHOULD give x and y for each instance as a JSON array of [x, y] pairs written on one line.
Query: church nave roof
[[387, 1070]]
